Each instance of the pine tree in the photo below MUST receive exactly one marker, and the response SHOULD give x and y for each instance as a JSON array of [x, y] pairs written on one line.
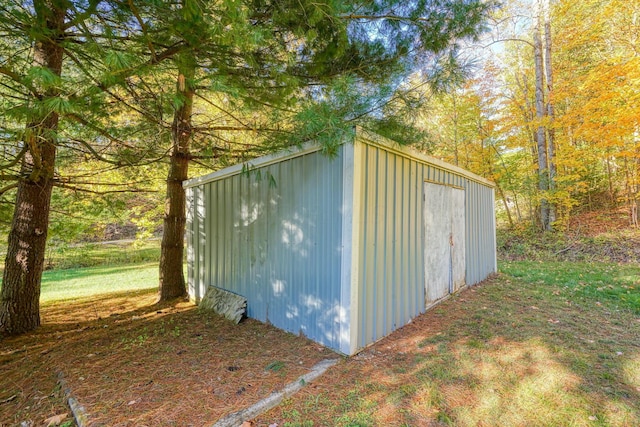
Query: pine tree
[[61, 61], [19, 297], [70, 66], [261, 53]]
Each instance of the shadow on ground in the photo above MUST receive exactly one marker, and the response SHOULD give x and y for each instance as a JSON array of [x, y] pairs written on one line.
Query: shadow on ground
[[503, 353], [133, 363]]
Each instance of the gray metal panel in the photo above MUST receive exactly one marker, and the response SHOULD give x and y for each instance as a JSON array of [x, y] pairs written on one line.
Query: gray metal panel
[[274, 235], [191, 257], [391, 244], [390, 283], [199, 241], [480, 232]]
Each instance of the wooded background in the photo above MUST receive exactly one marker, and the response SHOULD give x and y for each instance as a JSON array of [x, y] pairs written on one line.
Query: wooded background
[[108, 106]]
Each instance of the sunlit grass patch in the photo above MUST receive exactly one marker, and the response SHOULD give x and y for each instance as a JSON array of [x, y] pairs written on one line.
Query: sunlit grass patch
[[599, 282], [631, 369], [59, 285], [539, 345], [108, 253]]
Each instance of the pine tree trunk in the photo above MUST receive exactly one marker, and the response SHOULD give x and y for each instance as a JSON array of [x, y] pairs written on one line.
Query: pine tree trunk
[[172, 283], [21, 281]]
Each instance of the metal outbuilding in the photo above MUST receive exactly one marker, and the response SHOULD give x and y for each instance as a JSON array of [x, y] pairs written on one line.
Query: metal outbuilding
[[343, 249]]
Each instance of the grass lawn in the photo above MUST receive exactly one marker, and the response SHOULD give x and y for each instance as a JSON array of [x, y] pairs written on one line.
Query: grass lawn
[[79, 283], [553, 344], [541, 344]]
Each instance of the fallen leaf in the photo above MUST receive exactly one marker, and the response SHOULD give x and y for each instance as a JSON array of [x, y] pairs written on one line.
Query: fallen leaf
[[55, 420], [246, 424], [133, 402]]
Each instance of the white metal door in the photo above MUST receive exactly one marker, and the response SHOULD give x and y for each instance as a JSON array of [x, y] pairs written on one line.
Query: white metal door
[[444, 230]]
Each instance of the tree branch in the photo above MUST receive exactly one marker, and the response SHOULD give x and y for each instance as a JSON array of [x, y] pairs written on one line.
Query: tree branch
[[16, 159], [18, 79], [508, 39], [102, 193], [8, 188]]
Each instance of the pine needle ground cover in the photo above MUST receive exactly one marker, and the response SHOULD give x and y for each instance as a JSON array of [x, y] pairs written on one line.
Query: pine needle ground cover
[[130, 362]]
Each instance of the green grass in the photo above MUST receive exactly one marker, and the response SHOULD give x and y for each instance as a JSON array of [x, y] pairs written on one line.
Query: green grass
[[81, 271], [541, 344], [58, 285], [64, 257], [616, 285], [97, 254]]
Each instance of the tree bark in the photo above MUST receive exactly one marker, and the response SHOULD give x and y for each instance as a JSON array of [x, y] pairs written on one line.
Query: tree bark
[[506, 204], [550, 111], [455, 129], [540, 135], [21, 281], [172, 284]]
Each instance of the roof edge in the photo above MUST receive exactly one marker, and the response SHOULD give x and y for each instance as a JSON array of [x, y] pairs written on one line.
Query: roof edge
[[258, 162], [361, 134], [380, 141]]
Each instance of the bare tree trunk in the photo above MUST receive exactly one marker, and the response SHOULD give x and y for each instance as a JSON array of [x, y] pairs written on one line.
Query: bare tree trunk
[[550, 111], [506, 204], [517, 205], [21, 281], [633, 196], [172, 284], [456, 159], [612, 195], [541, 143]]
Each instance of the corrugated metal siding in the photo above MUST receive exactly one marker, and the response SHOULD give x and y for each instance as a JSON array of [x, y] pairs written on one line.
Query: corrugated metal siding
[[195, 242], [391, 246], [390, 285], [480, 231], [275, 236]]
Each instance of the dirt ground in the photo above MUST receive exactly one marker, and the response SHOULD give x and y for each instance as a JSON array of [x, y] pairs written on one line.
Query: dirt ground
[[132, 363]]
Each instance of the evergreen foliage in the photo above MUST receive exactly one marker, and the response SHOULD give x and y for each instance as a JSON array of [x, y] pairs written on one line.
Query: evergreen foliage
[[93, 89]]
